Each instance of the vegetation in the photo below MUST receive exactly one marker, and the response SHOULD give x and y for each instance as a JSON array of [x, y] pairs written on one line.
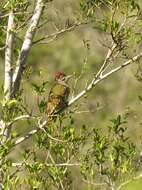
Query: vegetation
[[95, 142]]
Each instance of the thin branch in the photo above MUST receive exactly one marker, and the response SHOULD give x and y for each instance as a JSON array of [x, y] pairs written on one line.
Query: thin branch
[[111, 50], [82, 69], [27, 45], [129, 181], [16, 13], [55, 35], [31, 133], [15, 164], [21, 117], [36, 130], [2, 48], [95, 81], [25, 23], [54, 164], [108, 56], [18, 169], [94, 184], [52, 138]]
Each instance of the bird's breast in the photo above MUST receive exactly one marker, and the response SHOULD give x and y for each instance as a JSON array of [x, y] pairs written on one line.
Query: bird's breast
[[60, 90]]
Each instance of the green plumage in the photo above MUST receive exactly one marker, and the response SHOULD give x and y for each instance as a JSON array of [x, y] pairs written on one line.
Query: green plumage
[[57, 99]]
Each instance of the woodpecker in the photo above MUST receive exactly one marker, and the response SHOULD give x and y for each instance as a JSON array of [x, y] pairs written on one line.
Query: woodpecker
[[58, 95]]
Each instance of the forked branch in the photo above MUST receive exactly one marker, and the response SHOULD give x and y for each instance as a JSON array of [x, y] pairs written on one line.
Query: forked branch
[[92, 84], [101, 77]]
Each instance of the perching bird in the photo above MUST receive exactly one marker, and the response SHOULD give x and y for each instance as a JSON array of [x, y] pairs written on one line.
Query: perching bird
[[58, 95]]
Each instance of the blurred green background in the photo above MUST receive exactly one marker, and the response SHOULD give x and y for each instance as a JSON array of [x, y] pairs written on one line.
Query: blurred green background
[[117, 94]]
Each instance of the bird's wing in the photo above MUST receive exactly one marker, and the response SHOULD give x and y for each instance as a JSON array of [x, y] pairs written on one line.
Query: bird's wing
[[53, 105], [57, 99]]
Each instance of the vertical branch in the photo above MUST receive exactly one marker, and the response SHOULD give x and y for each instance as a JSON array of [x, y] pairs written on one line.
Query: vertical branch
[[27, 45], [4, 133], [8, 70], [8, 57]]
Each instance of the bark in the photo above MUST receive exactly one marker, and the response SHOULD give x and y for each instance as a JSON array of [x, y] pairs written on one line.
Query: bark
[[8, 57], [20, 66]]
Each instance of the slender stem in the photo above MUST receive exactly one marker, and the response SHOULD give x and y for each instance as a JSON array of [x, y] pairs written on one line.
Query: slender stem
[[34, 131], [54, 163], [58, 33], [21, 117], [95, 81], [94, 184], [14, 164], [129, 181], [108, 56], [2, 48]]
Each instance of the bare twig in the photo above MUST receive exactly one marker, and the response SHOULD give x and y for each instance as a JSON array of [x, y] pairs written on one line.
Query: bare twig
[[94, 184], [21, 117], [16, 13], [110, 50], [31, 133], [129, 181], [55, 35], [2, 48], [82, 69], [52, 138], [108, 56], [95, 81], [40, 127], [54, 164], [25, 23], [64, 164], [92, 84], [15, 164], [27, 136]]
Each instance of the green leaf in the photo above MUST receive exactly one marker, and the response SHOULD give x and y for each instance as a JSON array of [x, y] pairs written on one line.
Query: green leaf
[[42, 106], [140, 98]]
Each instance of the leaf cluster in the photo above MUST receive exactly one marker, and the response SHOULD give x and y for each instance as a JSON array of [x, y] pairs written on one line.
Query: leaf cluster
[[110, 157]]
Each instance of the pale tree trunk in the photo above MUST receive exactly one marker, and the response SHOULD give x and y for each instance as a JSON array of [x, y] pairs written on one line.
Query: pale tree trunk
[[12, 78], [8, 69], [8, 57]]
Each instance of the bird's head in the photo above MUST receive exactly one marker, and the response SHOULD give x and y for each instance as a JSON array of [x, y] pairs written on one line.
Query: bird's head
[[61, 77]]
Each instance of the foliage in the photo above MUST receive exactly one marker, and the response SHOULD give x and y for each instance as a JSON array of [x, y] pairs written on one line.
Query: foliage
[[110, 156], [101, 155]]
